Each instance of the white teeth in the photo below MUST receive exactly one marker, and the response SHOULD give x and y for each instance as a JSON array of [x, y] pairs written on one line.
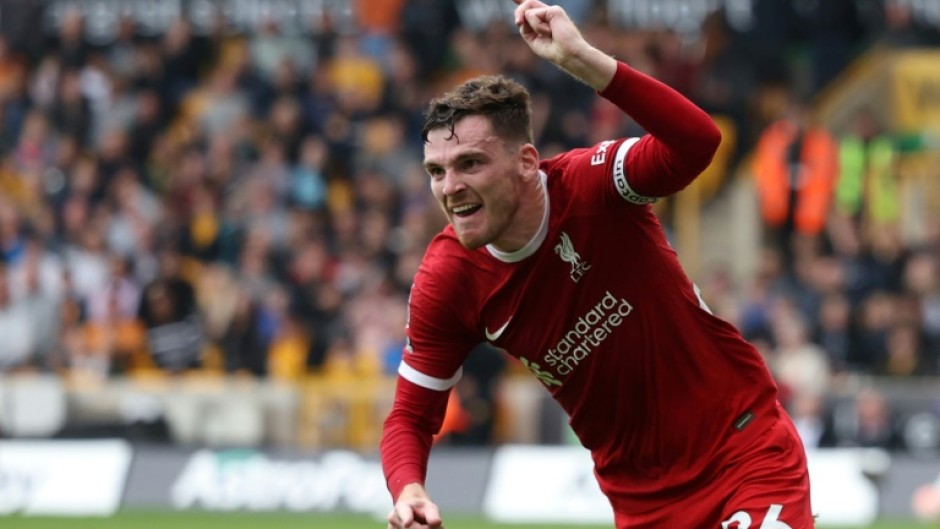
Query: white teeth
[[461, 209]]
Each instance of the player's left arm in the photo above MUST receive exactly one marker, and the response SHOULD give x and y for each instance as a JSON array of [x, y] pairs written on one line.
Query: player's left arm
[[681, 137]]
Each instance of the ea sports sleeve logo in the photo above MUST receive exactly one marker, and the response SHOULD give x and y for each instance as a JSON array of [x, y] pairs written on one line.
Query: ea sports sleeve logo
[[565, 250]]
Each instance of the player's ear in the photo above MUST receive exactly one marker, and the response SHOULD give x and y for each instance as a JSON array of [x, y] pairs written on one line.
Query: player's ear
[[529, 160]]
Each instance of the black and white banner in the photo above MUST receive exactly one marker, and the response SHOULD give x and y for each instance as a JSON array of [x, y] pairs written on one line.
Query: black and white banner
[[515, 483], [556, 484], [63, 478], [253, 481]]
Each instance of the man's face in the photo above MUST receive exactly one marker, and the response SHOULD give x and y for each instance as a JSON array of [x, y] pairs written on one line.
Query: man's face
[[477, 178]]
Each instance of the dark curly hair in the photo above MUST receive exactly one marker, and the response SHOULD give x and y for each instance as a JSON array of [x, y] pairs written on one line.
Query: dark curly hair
[[500, 99]]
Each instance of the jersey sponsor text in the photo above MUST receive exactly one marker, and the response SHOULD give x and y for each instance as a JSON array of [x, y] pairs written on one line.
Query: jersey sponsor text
[[588, 332]]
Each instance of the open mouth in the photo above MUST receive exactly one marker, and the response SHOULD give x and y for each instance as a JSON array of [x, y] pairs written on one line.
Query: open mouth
[[466, 210]]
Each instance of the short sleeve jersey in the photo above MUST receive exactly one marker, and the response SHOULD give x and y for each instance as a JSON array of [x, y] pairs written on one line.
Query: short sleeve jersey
[[598, 308]]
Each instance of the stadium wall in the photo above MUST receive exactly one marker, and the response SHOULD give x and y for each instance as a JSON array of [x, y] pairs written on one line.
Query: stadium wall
[[548, 483]]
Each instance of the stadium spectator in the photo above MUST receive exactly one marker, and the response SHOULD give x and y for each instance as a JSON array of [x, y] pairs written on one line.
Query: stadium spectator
[[308, 183], [71, 46], [922, 284], [874, 320], [635, 356], [37, 272], [168, 310], [905, 355], [720, 85], [795, 166], [271, 50], [111, 325], [244, 348], [904, 26], [18, 345], [833, 330], [867, 186], [837, 29], [426, 27], [762, 294], [476, 394], [112, 347], [798, 364], [867, 421], [812, 420]]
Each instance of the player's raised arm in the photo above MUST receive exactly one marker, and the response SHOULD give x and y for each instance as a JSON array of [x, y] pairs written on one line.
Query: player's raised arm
[[682, 137]]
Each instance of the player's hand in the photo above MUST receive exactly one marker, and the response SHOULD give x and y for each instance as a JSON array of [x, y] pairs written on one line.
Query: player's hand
[[548, 31], [414, 510]]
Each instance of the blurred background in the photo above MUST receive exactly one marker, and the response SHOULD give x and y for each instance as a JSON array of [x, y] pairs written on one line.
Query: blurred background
[[211, 212]]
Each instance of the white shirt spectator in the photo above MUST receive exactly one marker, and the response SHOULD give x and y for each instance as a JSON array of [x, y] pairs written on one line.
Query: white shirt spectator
[[48, 272], [89, 271], [18, 341]]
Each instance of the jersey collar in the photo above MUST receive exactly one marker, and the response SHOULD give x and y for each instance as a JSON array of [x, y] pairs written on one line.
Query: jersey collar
[[536, 241]]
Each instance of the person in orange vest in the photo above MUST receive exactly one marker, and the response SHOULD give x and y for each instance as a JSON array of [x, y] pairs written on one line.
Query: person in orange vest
[[795, 167]]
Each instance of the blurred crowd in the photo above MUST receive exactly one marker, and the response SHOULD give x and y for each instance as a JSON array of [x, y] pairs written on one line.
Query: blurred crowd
[[254, 203]]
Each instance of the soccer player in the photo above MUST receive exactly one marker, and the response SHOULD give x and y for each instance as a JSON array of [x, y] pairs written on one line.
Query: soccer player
[[562, 264]]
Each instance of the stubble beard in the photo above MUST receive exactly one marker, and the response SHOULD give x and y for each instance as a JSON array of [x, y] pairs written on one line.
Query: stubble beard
[[481, 238], [472, 244]]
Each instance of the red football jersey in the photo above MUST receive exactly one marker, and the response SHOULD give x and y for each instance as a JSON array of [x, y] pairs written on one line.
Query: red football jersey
[[660, 390], [599, 309]]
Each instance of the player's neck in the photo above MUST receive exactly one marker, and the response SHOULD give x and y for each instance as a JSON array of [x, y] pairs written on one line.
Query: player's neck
[[528, 219]]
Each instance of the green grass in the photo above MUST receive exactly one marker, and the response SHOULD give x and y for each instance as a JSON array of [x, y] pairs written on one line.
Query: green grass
[[204, 520]]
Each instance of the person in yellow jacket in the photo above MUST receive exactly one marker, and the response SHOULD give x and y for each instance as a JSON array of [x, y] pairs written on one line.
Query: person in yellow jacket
[[867, 186]]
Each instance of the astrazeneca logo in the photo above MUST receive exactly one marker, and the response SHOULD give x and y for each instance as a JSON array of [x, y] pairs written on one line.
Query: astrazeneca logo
[[565, 250]]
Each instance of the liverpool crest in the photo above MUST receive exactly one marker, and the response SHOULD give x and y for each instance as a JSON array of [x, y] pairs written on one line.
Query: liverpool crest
[[565, 250]]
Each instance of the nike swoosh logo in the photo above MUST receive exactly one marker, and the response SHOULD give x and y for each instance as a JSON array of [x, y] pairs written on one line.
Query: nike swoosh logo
[[493, 336]]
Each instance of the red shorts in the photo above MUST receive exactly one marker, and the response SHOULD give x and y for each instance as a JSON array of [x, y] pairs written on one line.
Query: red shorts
[[766, 487]]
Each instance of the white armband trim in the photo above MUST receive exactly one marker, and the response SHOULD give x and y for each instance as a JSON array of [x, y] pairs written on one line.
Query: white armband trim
[[426, 381], [620, 176]]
